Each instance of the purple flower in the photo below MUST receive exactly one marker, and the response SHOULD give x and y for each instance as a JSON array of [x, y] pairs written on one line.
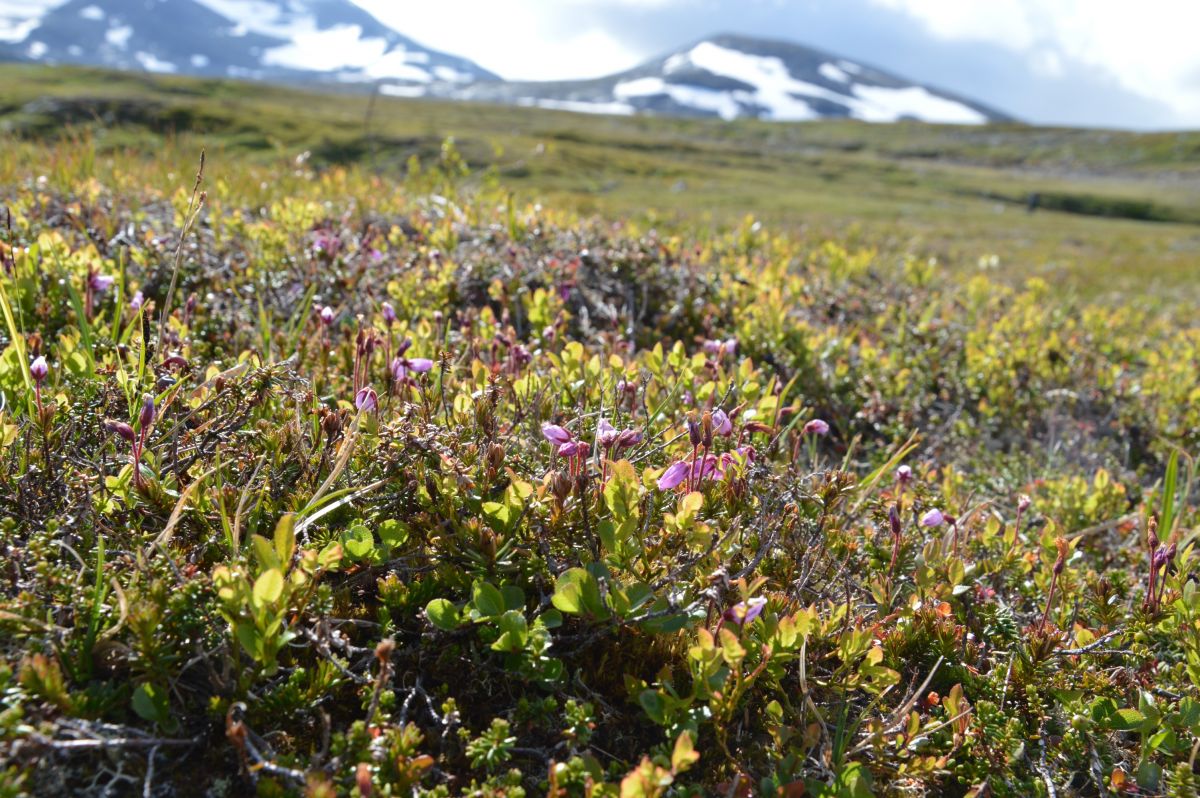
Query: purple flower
[[629, 438], [148, 414], [606, 434], [674, 476], [816, 427], [746, 611], [402, 365], [721, 348], [366, 400], [389, 313], [101, 282], [904, 475], [721, 423], [742, 456], [326, 315], [569, 449], [119, 428], [38, 369], [556, 435], [136, 301], [933, 518]]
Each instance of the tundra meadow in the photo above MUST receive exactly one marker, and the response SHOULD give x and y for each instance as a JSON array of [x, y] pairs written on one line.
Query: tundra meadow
[[322, 482]]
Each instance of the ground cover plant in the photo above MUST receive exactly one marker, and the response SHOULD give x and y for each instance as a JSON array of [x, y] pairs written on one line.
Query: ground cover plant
[[1118, 213], [322, 483]]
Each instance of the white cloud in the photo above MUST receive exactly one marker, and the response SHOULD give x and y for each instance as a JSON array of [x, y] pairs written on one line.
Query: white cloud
[[516, 39], [1148, 47]]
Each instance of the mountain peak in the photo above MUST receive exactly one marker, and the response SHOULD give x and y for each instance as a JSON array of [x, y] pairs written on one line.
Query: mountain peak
[[732, 76], [321, 40]]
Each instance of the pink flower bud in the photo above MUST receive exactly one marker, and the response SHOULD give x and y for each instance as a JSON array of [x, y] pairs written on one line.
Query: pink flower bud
[[366, 400], [327, 315], [816, 427], [119, 428], [556, 434], [136, 301], [904, 475], [389, 313], [721, 423], [148, 414], [39, 369], [933, 518], [629, 438]]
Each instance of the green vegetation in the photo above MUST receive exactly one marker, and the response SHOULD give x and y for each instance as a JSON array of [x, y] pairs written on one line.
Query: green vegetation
[[957, 193], [325, 481]]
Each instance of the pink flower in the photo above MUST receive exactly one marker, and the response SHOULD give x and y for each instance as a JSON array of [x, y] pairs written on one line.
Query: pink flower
[[933, 518], [39, 369], [606, 434], [721, 423], [569, 449], [721, 348], [101, 282], [629, 438], [389, 313], [816, 427], [556, 435], [136, 301], [367, 400], [736, 459], [904, 475], [401, 366], [674, 476], [746, 611], [326, 315]]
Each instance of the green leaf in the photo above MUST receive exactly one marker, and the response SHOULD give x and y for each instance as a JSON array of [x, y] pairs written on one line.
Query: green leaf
[[393, 533], [268, 587], [514, 631], [285, 538], [359, 542], [514, 597], [1127, 719], [568, 595], [684, 755], [444, 614], [487, 600], [264, 552], [330, 556], [150, 703], [621, 492]]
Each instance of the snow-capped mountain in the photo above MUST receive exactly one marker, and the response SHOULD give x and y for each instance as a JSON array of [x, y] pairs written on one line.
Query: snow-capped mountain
[[336, 41], [731, 76], [321, 40]]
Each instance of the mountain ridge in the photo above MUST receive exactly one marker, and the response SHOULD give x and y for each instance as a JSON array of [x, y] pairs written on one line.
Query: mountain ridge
[[337, 42]]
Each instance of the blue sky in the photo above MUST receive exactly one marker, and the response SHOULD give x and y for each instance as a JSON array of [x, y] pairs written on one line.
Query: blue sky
[[1107, 63]]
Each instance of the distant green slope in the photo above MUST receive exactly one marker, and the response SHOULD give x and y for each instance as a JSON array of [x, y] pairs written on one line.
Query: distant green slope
[[1108, 202]]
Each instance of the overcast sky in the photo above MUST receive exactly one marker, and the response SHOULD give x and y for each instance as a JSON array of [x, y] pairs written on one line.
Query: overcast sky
[[1082, 62]]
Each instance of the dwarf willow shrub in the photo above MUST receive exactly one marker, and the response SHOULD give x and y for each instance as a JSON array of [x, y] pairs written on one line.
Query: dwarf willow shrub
[[421, 492]]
